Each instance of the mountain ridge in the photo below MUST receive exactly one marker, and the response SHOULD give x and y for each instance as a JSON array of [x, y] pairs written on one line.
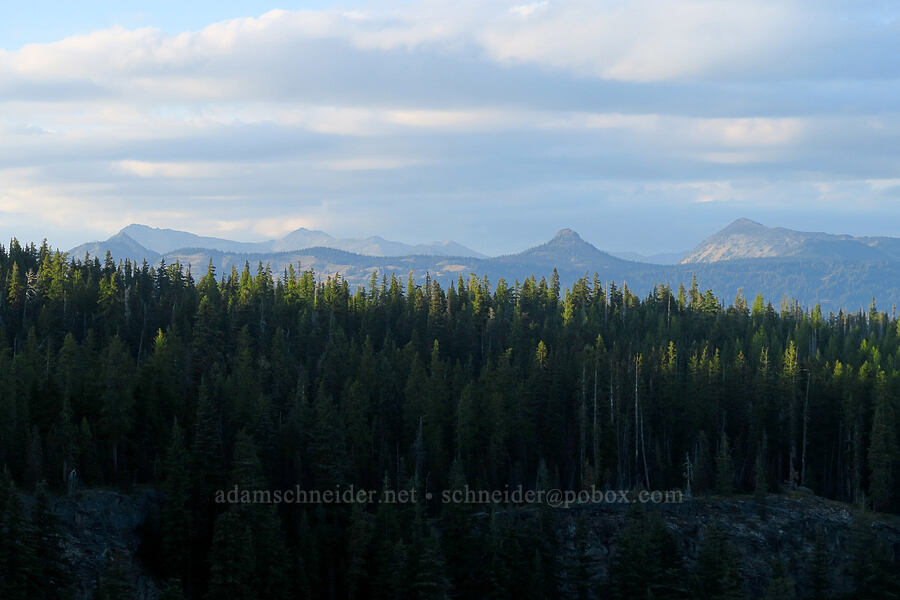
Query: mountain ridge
[[160, 241], [831, 278], [746, 239]]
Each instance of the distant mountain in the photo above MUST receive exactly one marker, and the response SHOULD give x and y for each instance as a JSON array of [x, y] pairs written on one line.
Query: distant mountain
[[566, 251], [120, 246], [835, 282], [167, 240], [370, 246], [162, 241], [662, 258], [744, 239]]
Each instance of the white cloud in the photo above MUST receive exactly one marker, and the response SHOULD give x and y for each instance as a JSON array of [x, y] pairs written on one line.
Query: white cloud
[[319, 114], [176, 170], [263, 227], [370, 163], [527, 10]]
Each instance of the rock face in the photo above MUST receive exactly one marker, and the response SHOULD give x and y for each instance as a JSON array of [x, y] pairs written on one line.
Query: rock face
[[787, 530], [745, 239], [98, 523]]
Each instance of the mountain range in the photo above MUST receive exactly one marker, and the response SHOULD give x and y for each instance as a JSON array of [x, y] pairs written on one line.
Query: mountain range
[[748, 239], [836, 271], [140, 241]]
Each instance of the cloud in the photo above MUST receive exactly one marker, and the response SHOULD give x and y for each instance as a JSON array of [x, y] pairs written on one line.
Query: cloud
[[173, 170], [454, 119]]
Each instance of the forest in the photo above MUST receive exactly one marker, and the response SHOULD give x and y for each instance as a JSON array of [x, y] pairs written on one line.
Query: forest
[[133, 376]]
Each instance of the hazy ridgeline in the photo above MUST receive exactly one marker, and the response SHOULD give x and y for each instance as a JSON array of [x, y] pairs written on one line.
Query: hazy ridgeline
[[147, 376]]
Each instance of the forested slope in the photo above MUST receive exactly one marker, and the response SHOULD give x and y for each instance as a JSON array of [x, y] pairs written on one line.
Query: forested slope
[[139, 375]]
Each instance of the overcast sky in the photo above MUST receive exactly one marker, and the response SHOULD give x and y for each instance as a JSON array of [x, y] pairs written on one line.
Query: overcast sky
[[642, 124]]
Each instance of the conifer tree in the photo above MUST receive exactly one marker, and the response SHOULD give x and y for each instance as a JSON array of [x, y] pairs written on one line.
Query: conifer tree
[[717, 575], [115, 582], [819, 569], [781, 585], [232, 559], [724, 469], [19, 568], [54, 580], [883, 452], [176, 514]]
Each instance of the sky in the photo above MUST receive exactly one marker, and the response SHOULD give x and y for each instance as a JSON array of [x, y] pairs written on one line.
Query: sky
[[645, 125]]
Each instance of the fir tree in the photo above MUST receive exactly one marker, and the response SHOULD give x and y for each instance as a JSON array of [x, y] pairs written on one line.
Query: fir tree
[[176, 514], [724, 469], [717, 575]]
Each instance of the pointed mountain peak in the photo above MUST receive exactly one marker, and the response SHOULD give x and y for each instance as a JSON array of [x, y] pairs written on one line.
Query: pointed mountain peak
[[123, 236], [744, 224], [566, 235]]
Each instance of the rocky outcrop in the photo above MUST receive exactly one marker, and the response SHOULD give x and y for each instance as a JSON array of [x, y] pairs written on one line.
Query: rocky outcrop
[[98, 525], [785, 530]]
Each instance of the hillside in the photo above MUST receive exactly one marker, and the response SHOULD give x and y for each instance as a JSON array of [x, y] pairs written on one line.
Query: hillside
[[744, 239], [192, 388], [121, 246], [835, 283], [151, 242]]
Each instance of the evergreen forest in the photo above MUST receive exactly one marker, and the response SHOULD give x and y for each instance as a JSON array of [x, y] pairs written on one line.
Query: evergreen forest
[[124, 376]]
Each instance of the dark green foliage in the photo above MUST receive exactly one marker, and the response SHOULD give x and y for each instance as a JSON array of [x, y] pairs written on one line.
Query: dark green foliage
[[138, 375], [115, 582], [820, 575], [874, 576], [781, 585], [54, 580], [724, 468], [176, 515], [717, 576], [31, 554], [647, 562], [232, 559], [19, 568], [760, 477], [883, 447]]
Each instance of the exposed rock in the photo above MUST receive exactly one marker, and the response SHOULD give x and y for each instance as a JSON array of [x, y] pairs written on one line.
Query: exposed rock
[[786, 529], [97, 523]]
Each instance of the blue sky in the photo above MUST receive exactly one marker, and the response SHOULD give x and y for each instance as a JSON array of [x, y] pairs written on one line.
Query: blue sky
[[44, 21], [644, 125]]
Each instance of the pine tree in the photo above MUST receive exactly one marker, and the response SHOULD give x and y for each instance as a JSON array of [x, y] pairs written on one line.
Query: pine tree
[[781, 585], [647, 562], [819, 569], [717, 574], [870, 565], [176, 514], [54, 579], [270, 569], [118, 402], [429, 581], [581, 568], [760, 476], [232, 559], [20, 571], [724, 469], [359, 537], [883, 451], [115, 582]]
